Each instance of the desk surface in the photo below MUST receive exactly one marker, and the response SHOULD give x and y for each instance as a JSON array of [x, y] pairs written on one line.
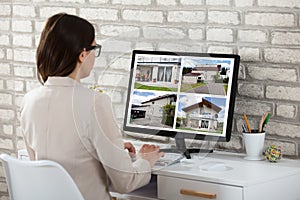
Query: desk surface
[[241, 173]]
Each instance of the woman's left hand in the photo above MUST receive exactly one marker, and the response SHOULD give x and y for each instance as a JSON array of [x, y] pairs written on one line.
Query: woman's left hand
[[129, 147]]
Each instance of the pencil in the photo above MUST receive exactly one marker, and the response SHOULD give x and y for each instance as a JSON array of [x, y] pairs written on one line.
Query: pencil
[[263, 117], [247, 123]]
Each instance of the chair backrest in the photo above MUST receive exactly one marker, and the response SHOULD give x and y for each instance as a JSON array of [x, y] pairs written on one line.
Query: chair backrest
[[38, 180]]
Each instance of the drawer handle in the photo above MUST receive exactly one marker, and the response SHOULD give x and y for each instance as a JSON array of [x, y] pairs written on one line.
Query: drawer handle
[[198, 194]]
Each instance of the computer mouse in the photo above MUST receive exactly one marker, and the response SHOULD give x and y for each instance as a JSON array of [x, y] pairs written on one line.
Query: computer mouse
[[213, 166]]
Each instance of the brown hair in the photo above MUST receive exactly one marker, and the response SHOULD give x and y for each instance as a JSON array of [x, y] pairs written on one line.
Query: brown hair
[[63, 39]]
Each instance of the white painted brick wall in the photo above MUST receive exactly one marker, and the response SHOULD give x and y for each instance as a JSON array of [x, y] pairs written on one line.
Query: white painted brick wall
[[8, 129], [22, 26], [117, 30], [270, 19], [68, 1], [283, 93], [24, 55], [5, 10], [220, 49], [22, 40], [265, 33], [4, 40], [251, 90], [4, 24], [1, 85], [99, 13], [223, 17], [24, 71], [191, 2], [166, 2], [244, 3], [196, 34], [5, 99], [219, 34], [279, 3], [143, 16], [99, 1], [272, 73], [24, 11], [186, 16], [47, 11], [252, 36], [163, 33], [218, 2], [282, 55], [249, 53], [286, 38], [6, 114], [286, 111], [132, 2], [4, 69]]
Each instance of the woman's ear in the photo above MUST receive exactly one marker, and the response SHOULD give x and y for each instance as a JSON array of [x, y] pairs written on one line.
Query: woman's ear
[[82, 56]]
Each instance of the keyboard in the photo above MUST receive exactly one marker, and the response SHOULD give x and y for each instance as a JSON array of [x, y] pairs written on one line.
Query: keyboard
[[168, 159]]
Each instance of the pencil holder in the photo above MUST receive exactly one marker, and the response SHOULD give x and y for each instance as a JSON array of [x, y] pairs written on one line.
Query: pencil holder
[[254, 145]]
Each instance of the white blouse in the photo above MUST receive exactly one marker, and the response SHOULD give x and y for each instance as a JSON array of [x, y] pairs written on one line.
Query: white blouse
[[74, 126]]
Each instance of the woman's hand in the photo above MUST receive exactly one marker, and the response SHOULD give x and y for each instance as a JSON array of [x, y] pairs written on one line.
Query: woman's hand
[[150, 153], [129, 146]]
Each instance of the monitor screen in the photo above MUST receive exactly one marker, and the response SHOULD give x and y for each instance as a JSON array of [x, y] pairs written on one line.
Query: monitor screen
[[181, 93]]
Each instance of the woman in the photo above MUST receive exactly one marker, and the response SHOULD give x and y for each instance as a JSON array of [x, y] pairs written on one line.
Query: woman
[[74, 126]]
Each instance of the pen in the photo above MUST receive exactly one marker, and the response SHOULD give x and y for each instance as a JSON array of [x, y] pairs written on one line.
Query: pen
[[247, 123], [244, 128], [266, 120]]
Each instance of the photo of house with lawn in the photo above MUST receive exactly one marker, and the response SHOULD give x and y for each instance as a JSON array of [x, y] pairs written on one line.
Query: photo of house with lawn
[[160, 73], [205, 76], [153, 109], [204, 115]]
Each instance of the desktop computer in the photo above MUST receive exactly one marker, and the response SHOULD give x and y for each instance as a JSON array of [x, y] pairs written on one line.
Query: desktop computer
[[182, 95]]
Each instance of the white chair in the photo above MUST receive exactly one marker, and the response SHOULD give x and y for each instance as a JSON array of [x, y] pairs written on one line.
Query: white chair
[[38, 180]]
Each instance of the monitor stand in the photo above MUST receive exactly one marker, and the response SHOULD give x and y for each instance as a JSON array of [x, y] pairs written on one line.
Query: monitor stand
[[181, 148]]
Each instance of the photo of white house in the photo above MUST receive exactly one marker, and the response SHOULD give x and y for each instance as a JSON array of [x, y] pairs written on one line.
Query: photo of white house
[[201, 73], [201, 113], [157, 73], [149, 108], [205, 76]]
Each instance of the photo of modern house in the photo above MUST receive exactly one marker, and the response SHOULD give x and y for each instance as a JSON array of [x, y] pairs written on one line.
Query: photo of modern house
[[158, 110], [157, 73], [204, 115], [201, 73], [205, 76]]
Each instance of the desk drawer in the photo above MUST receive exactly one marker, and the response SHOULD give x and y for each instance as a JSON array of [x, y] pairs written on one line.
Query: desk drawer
[[170, 188]]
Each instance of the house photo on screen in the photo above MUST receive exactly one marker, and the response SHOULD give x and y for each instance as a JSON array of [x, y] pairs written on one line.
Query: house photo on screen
[[158, 73], [152, 108], [205, 75], [200, 113]]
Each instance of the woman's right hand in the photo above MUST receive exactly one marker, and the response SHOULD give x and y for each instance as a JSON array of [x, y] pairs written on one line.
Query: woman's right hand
[[150, 152]]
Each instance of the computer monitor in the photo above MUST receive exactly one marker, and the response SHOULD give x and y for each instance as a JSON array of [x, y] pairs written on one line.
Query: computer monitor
[[182, 95]]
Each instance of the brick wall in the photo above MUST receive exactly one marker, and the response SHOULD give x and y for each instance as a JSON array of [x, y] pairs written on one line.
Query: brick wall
[[265, 33]]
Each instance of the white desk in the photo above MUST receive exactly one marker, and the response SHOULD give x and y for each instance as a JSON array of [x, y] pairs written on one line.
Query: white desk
[[247, 180]]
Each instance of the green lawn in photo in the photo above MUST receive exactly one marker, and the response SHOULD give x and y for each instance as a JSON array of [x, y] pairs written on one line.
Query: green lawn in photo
[[146, 87], [186, 86]]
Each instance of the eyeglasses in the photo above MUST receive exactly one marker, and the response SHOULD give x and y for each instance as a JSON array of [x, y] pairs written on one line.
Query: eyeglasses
[[96, 48]]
